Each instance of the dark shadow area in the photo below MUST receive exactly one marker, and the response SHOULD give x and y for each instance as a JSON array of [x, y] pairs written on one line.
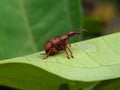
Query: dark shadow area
[[7, 88]]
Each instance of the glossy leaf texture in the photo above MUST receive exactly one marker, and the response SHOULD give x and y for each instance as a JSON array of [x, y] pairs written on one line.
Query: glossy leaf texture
[[94, 60], [26, 25]]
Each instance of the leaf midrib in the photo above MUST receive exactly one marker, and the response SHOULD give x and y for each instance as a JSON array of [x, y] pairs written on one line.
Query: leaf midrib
[[27, 25]]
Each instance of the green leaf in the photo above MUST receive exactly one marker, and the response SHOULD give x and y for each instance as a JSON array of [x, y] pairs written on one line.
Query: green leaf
[[26, 25], [94, 60]]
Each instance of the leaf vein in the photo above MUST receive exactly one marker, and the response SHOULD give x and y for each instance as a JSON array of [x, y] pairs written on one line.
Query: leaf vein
[[109, 46], [28, 29]]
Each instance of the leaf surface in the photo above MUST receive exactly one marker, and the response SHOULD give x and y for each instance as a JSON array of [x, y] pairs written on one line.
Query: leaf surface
[[94, 60]]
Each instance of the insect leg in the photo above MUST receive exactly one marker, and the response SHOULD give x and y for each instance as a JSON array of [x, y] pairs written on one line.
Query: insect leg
[[68, 44], [70, 52], [66, 53], [67, 47], [52, 50]]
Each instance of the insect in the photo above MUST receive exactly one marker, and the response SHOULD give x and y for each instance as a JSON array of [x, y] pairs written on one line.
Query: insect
[[59, 43]]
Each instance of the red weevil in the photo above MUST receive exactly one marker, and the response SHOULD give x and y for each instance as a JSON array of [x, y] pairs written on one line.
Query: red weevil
[[60, 43]]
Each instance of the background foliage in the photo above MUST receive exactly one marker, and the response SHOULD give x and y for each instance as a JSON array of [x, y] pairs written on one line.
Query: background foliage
[[26, 25]]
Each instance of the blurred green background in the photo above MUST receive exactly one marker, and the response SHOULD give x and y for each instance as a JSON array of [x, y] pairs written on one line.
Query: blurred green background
[[26, 25]]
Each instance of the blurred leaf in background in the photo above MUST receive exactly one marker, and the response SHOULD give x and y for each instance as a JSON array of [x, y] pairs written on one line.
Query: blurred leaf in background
[[94, 25], [101, 17], [26, 25]]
